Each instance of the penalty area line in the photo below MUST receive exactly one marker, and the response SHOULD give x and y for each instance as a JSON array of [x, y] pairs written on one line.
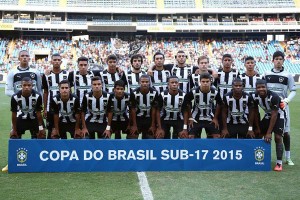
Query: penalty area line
[[144, 186]]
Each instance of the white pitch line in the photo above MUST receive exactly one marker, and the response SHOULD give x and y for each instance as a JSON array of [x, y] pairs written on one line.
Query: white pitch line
[[143, 181]]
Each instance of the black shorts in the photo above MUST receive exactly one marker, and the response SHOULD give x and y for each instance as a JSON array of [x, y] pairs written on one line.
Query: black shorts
[[203, 124], [177, 127], [31, 125], [65, 128], [143, 125], [50, 121], [94, 128], [119, 126], [238, 130], [277, 129]]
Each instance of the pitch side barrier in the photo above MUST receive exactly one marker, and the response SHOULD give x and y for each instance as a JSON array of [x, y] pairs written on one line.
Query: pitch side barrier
[[138, 155]]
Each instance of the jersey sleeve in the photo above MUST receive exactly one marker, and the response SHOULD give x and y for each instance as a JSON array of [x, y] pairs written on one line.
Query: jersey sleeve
[[219, 99], [71, 78], [54, 107], [292, 86], [132, 100], [275, 101], [9, 86], [39, 104], [169, 67], [160, 101], [250, 102], [77, 108], [13, 105], [110, 105], [84, 104], [154, 103], [39, 86], [187, 101], [44, 82]]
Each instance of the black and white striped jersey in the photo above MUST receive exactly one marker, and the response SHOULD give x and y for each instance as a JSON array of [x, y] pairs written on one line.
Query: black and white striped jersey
[[184, 75], [224, 81], [66, 110], [160, 80], [250, 81], [26, 107], [171, 105], [132, 79], [203, 104], [82, 83], [50, 83], [144, 102], [95, 108], [196, 79], [238, 109], [280, 82], [268, 104], [108, 80], [15, 76], [119, 107]]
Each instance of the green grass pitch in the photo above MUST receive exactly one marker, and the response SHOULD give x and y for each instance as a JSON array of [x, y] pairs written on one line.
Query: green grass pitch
[[164, 185]]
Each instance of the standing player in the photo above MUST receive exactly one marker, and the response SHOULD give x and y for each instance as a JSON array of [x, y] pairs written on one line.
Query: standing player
[[118, 109], [160, 75], [26, 107], [51, 88], [94, 108], [66, 109], [236, 120], [15, 76], [170, 104], [133, 75], [204, 97], [81, 79], [144, 102], [280, 81], [273, 120]]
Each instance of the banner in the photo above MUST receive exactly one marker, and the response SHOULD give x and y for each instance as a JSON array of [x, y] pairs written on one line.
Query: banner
[[138, 155], [6, 26]]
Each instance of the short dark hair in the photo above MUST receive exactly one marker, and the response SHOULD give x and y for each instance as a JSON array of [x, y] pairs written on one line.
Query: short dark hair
[[158, 53], [202, 58], [136, 56], [111, 57], [227, 55], [119, 83], [260, 82], [249, 58], [96, 78], [237, 80], [82, 58], [55, 54], [145, 76], [180, 51], [23, 51], [173, 76], [205, 75], [65, 81], [278, 54], [26, 79]]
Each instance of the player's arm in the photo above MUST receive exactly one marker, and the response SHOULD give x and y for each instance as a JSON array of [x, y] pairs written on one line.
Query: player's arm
[[218, 111], [256, 119], [38, 109], [184, 133], [292, 88], [55, 131], [133, 129], [224, 132], [82, 116], [9, 86], [14, 110], [159, 133], [274, 114], [109, 113], [186, 107], [39, 83], [154, 107], [77, 110], [250, 105], [45, 95]]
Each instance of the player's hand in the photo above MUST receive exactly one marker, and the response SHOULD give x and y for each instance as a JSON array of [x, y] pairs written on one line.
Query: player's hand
[[183, 134], [41, 134], [159, 133], [84, 132], [215, 122], [13, 134], [197, 71], [55, 134], [250, 134], [152, 130], [257, 132], [284, 103], [224, 133], [191, 122], [45, 114], [133, 130], [150, 71], [268, 137], [107, 134], [78, 134], [47, 71]]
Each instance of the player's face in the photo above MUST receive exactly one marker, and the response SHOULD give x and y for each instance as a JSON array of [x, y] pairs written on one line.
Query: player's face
[[278, 62], [64, 90], [227, 62], [112, 64], [137, 63], [181, 58], [26, 88], [250, 64], [205, 83], [96, 86], [159, 60], [238, 87], [203, 65], [83, 67], [261, 90], [144, 82], [56, 61], [119, 91], [173, 84], [24, 58]]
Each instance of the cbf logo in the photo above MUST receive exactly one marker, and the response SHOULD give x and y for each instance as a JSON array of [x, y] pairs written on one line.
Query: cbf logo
[[22, 156], [259, 155]]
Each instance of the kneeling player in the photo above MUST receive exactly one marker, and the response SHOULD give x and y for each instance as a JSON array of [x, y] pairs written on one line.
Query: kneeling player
[[117, 109], [66, 109], [93, 116], [204, 97], [26, 106], [273, 120]]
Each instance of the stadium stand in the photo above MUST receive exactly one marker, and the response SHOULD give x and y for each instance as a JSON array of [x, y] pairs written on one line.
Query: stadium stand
[[179, 4], [113, 3], [248, 4]]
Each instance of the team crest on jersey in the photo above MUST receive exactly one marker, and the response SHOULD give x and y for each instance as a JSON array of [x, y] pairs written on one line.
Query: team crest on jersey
[[33, 102], [180, 101], [281, 79], [32, 75]]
